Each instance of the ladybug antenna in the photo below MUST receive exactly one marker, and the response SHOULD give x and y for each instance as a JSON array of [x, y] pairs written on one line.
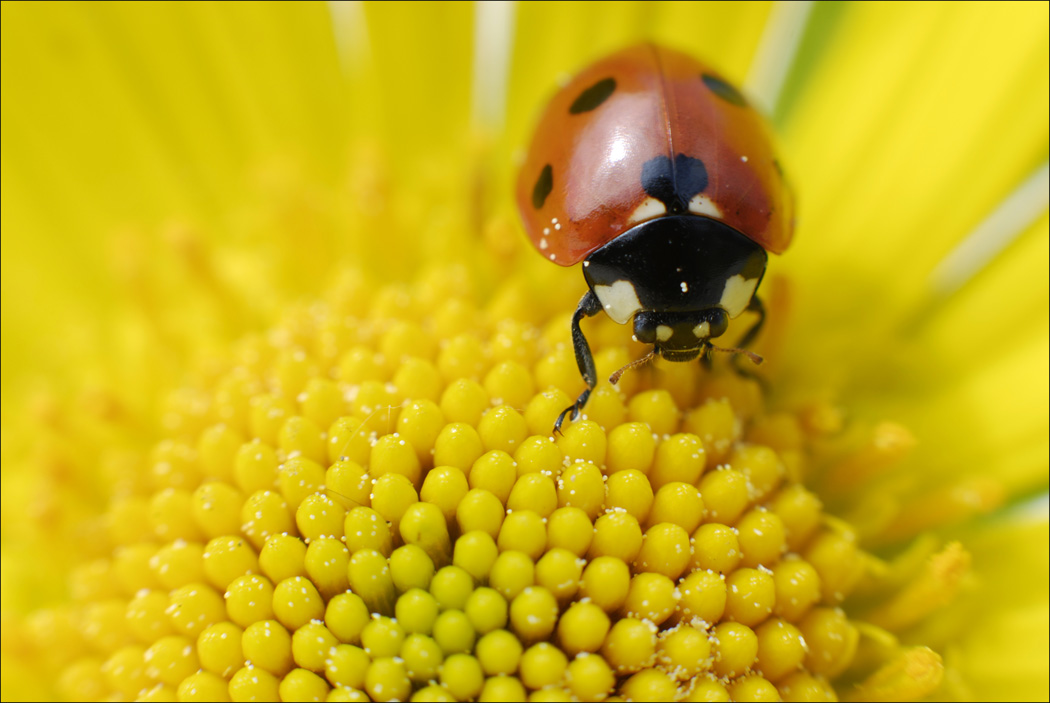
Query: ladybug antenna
[[615, 377], [755, 358]]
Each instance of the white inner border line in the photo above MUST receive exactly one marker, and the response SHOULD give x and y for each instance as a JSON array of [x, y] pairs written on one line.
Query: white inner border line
[[995, 233], [350, 31], [493, 47]]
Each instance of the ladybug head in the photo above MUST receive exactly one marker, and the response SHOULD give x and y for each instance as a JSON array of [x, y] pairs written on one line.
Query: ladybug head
[[680, 336]]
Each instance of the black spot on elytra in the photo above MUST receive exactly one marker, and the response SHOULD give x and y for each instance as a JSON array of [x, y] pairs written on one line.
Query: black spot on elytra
[[593, 96], [674, 184], [724, 90], [543, 187]]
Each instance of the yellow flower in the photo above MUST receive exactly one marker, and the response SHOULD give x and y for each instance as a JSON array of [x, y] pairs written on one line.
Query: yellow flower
[[279, 368]]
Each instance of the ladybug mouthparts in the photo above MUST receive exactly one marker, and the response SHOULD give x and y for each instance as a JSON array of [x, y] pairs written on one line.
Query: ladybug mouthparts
[[687, 355]]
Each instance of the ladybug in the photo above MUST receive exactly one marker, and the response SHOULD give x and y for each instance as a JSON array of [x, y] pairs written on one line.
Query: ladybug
[[658, 175]]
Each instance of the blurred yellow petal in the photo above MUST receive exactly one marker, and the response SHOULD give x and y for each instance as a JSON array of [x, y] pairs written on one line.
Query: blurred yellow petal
[[299, 217], [957, 130], [424, 104]]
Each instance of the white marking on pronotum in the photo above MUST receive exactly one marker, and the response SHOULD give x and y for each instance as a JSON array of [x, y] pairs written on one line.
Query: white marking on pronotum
[[663, 332], [647, 210], [493, 43], [702, 205], [776, 53], [1007, 222], [737, 294], [703, 330], [620, 300]]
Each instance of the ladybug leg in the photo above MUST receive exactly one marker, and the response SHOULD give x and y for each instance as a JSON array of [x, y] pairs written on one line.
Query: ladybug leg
[[588, 307], [755, 306], [705, 357]]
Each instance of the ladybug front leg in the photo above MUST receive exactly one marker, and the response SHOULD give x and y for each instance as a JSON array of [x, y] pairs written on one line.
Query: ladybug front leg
[[755, 306], [588, 307]]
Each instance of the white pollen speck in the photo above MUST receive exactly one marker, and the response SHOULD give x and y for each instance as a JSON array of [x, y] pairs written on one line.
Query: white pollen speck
[[685, 287], [558, 226], [546, 231], [543, 244], [744, 159], [552, 257]]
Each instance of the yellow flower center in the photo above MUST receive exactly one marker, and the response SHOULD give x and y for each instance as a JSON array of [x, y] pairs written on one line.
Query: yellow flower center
[[369, 504]]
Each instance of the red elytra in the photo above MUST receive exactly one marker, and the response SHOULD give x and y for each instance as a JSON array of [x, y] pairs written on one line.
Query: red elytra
[[615, 116]]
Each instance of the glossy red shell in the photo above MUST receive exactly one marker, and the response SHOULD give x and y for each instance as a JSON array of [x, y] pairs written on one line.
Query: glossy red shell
[[661, 105]]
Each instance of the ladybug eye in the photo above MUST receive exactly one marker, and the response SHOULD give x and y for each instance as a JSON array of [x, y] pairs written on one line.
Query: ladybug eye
[[724, 90], [593, 96], [715, 322], [645, 325]]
